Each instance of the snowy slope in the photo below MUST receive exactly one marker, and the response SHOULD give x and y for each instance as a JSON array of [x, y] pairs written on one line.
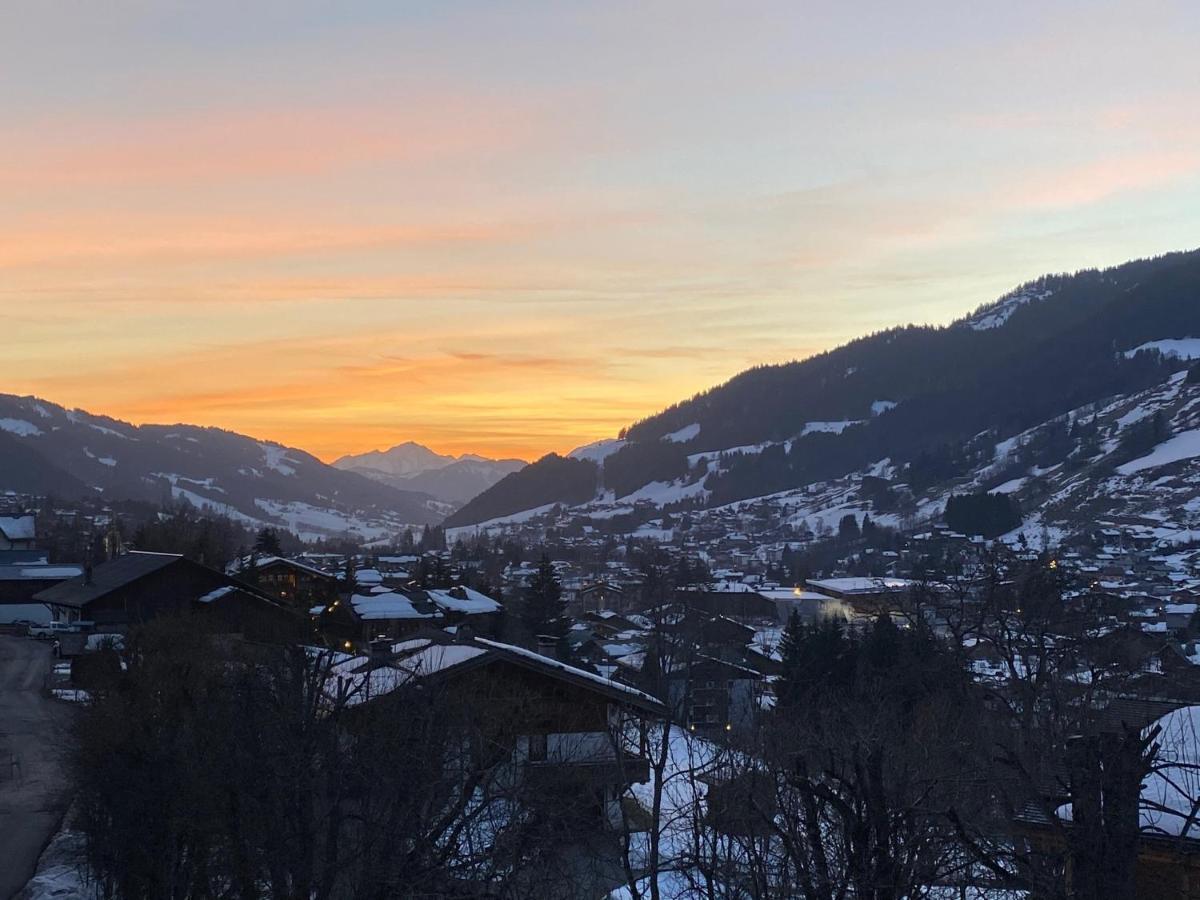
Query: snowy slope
[[255, 482]]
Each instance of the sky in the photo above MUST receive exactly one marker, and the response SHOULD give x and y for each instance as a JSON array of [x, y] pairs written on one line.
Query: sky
[[510, 227]]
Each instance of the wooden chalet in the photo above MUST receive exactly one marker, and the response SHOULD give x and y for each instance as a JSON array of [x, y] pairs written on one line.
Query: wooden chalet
[[138, 587]]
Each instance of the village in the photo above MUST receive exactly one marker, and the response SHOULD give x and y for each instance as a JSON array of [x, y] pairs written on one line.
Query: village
[[685, 629]]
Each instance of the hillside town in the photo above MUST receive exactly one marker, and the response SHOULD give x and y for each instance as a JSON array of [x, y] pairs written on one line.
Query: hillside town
[[701, 633]]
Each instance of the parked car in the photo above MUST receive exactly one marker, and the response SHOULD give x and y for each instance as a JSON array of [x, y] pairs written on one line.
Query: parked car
[[53, 629]]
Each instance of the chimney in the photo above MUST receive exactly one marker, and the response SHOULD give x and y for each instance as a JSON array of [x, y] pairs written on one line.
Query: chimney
[[547, 645], [87, 574]]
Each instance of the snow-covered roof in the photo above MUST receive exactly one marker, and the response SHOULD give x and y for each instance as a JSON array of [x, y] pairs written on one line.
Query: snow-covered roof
[[18, 528], [39, 573], [571, 670], [860, 585], [392, 605], [1170, 798], [247, 562], [217, 594], [464, 600]]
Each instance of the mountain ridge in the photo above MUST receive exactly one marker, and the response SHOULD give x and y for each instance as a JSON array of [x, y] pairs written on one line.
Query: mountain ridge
[[1050, 345], [415, 467], [46, 448]]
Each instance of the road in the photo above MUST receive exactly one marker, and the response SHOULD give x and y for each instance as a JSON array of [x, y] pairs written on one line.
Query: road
[[32, 730]]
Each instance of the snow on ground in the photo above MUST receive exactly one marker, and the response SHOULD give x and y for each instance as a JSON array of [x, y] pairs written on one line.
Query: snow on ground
[[61, 872], [1009, 487], [1180, 447], [744, 449], [683, 435], [879, 407], [201, 502], [1001, 311], [20, 427], [663, 492], [828, 427], [1180, 348], [497, 524], [311, 523], [277, 458], [111, 432], [597, 451]]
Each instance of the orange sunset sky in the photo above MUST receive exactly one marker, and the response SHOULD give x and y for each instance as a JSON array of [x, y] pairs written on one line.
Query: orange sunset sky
[[514, 228]]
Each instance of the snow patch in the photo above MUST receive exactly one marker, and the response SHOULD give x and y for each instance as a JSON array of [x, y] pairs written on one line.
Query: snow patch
[[683, 435], [20, 427], [828, 427], [277, 458], [1182, 446], [1180, 348], [597, 451], [1001, 311]]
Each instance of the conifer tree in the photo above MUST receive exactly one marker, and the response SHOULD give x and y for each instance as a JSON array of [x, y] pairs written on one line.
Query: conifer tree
[[544, 611]]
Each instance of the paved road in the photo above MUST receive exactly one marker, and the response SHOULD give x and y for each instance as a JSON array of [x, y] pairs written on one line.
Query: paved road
[[32, 731]]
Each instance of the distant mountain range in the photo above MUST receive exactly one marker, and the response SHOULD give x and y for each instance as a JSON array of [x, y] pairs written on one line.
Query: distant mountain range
[[922, 407], [411, 466], [48, 450]]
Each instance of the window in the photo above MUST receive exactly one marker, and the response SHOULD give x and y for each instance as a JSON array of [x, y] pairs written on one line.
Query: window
[[537, 747]]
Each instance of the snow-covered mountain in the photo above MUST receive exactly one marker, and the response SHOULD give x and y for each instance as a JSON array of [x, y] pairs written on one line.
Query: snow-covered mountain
[[914, 409], [46, 449], [414, 467], [402, 461]]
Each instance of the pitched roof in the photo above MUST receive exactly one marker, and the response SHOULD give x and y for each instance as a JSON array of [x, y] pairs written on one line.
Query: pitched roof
[[106, 577], [17, 528]]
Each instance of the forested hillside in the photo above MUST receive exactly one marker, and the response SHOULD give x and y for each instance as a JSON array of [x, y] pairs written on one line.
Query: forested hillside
[[916, 395]]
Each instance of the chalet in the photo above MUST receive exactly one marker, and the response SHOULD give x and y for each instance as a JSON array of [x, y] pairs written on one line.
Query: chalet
[[598, 596], [297, 584], [559, 726], [379, 611], [713, 696], [17, 532], [138, 587]]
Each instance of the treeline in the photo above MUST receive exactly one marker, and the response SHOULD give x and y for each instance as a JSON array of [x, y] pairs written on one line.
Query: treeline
[[990, 515], [552, 479]]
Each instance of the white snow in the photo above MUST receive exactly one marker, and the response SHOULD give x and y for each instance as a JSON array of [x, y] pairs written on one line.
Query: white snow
[[683, 435], [386, 606], [1001, 311], [471, 603], [554, 663], [1180, 348], [1182, 446], [275, 456], [20, 427], [597, 451], [661, 492], [109, 431], [217, 594], [1170, 798], [879, 407], [18, 528], [1009, 487], [828, 427]]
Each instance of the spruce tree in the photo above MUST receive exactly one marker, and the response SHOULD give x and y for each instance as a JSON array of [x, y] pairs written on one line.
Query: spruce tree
[[543, 611], [267, 542]]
